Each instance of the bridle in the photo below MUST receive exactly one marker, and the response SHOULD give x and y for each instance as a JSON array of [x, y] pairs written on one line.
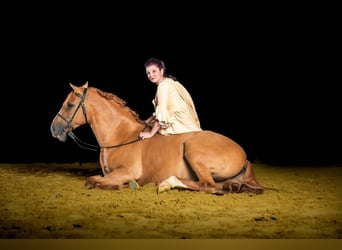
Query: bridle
[[80, 104], [79, 142]]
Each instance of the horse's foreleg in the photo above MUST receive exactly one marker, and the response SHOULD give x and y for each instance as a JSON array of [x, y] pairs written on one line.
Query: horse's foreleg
[[112, 181], [92, 180]]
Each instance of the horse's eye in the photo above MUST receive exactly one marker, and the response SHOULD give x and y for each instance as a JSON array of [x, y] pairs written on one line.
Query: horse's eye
[[70, 105]]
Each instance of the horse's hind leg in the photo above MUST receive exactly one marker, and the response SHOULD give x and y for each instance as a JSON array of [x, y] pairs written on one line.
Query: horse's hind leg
[[179, 183], [244, 182], [205, 178], [174, 182]]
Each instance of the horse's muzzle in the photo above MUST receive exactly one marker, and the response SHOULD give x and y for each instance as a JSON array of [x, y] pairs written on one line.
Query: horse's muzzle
[[60, 133]]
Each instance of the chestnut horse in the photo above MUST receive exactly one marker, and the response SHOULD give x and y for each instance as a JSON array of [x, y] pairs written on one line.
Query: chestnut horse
[[199, 161]]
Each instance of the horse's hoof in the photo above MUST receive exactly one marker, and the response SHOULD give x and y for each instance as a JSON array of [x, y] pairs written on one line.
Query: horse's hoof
[[89, 184], [164, 186], [133, 185]]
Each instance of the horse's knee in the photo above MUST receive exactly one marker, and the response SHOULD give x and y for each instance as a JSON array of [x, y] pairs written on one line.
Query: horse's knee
[[94, 181], [107, 186]]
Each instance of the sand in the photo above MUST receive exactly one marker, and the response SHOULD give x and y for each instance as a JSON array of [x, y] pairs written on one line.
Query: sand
[[50, 201]]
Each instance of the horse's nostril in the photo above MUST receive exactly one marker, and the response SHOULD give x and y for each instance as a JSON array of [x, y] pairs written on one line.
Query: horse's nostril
[[52, 130]]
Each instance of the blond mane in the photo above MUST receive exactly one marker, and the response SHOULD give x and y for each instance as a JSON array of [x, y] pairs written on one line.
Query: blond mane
[[121, 102]]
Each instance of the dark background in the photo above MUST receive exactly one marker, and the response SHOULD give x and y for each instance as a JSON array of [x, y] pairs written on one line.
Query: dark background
[[265, 81]]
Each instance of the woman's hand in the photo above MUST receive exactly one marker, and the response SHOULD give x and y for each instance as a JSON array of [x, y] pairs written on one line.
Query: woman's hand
[[144, 135], [154, 130]]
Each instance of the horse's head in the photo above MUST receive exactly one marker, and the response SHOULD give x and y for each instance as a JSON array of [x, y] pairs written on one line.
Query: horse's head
[[72, 114]]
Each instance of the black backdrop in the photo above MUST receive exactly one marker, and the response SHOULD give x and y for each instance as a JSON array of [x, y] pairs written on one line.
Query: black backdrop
[[268, 86], [272, 113]]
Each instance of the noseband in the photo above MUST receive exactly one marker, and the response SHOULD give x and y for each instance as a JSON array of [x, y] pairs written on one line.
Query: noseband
[[80, 104]]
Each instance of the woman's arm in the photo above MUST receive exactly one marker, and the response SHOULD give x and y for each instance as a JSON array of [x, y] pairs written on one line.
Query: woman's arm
[[154, 130], [149, 121]]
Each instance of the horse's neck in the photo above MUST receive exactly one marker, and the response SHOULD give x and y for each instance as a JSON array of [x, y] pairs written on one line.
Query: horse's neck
[[111, 123]]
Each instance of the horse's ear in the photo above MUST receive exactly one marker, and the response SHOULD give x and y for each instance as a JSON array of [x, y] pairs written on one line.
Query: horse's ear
[[74, 87]]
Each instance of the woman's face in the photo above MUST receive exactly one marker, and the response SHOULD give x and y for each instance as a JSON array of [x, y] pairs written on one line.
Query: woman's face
[[154, 74]]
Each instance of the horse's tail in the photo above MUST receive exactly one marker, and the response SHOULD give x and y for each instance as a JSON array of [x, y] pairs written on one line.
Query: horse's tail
[[244, 182]]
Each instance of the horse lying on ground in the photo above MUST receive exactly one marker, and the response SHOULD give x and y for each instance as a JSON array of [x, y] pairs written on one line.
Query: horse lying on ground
[[200, 161]]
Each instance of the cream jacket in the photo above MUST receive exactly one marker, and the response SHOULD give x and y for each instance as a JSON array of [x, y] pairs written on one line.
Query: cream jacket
[[174, 108]]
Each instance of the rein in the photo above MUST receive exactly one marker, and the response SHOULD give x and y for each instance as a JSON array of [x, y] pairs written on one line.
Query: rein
[[78, 141], [92, 147]]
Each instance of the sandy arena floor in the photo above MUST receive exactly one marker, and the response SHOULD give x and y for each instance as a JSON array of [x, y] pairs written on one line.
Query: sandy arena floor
[[50, 201]]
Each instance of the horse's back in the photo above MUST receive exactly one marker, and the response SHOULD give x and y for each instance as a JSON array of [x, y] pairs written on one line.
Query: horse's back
[[205, 143], [208, 141]]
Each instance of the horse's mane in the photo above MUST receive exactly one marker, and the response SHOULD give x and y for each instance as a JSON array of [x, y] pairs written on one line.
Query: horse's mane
[[121, 102]]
